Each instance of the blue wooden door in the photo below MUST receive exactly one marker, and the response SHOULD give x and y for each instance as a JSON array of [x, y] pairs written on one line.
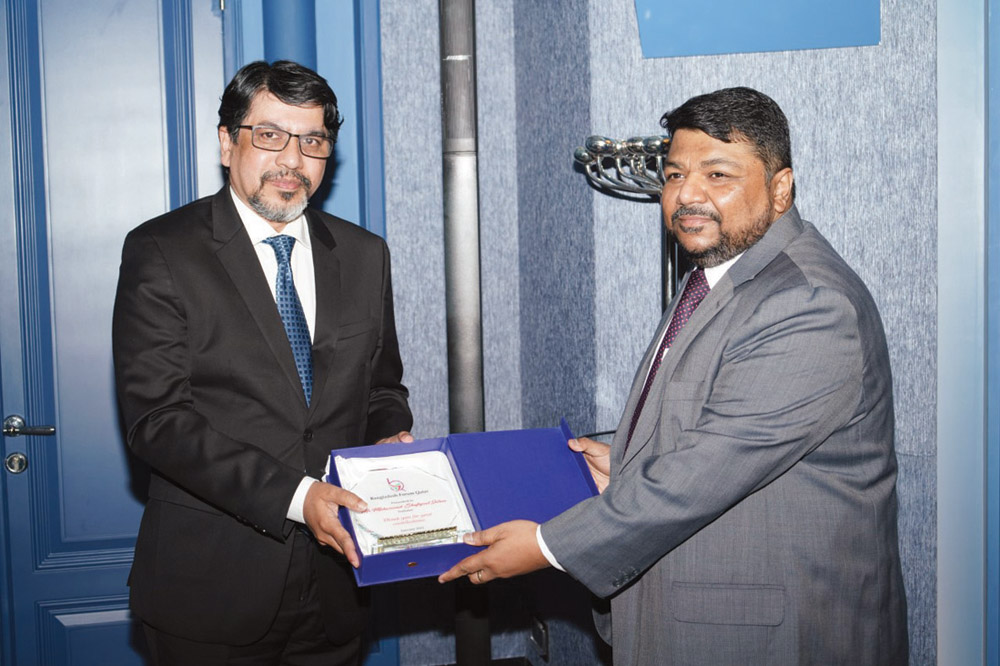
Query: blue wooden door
[[103, 124], [107, 118]]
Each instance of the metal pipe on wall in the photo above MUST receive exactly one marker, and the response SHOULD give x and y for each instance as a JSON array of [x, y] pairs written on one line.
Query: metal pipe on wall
[[290, 31], [461, 216], [462, 285]]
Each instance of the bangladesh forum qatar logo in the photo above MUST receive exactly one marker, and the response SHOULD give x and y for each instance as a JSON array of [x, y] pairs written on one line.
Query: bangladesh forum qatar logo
[[395, 485]]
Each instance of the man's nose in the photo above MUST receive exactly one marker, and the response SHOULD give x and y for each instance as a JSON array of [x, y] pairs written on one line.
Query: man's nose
[[290, 156], [691, 191]]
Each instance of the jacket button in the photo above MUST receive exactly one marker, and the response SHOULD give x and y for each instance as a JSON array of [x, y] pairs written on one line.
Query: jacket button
[[308, 435]]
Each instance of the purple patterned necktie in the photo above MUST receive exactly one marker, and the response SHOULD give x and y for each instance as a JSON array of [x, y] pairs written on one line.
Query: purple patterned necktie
[[695, 290], [291, 312]]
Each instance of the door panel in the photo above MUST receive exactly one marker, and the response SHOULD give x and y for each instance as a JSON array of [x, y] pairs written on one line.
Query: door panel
[[95, 126], [99, 139]]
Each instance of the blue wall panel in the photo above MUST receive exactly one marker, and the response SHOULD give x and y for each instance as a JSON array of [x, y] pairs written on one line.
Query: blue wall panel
[[737, 26], [336, 55]]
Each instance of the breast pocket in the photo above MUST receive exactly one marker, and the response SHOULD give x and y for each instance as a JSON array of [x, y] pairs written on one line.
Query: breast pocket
[[350, 366]]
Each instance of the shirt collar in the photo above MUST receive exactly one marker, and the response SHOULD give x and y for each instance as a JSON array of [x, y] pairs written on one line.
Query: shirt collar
[[258, 228], [715, 273]]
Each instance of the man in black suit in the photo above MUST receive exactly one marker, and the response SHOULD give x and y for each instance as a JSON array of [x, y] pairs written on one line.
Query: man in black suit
[[252, 335]]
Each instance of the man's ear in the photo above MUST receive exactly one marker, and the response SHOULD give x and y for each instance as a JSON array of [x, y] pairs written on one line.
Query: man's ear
[[781, 191], [225, 146]]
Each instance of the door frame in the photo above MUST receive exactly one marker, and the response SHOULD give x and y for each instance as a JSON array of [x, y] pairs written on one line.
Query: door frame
[[993, 336]]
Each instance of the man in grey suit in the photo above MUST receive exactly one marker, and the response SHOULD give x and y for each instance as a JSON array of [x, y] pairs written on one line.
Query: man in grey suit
[[748, 505]]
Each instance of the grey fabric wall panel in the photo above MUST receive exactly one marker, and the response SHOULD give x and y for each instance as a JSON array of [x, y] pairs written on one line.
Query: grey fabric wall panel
[[498, 213], [414, 231], [411, 105], [556, 264]]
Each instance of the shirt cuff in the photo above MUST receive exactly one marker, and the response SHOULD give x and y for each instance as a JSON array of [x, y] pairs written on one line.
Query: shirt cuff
[[295, 509], [545, 549]]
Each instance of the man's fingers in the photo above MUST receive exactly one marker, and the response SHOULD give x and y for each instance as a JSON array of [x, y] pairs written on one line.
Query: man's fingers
[[473, 539], [484, 537], [512, 551], [341, 497], [345, 545], [598, 458], [470, 565], [400, 437], [589, 446], [330, 532], [320, 511], [330, 494], [467, 567]]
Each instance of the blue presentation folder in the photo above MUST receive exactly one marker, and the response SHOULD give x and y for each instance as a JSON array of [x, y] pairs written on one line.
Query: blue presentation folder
[[507, 475]]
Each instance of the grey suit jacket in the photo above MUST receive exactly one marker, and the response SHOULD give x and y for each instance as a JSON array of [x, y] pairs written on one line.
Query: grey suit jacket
[[752, 518]]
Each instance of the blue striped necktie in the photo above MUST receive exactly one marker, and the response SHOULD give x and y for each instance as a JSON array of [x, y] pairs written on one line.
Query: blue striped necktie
[[291, 312]]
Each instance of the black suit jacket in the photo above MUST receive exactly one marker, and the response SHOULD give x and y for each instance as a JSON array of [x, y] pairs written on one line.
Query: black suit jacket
[[212, 402]]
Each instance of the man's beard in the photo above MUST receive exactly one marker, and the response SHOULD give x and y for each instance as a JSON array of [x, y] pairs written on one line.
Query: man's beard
[[729, 244], [277, 212]]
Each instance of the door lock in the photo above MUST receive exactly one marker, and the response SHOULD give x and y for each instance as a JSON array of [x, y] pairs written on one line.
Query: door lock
[[16, 463], [14, 426]]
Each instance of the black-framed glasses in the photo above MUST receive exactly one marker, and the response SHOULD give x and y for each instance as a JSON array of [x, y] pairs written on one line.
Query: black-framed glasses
[[273, 139]]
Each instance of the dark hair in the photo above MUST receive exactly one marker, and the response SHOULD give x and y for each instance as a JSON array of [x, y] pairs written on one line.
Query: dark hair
[[738, 114], [288, 81]]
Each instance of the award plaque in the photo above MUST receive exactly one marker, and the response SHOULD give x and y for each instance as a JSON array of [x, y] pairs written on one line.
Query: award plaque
[[413, 501], [424, 496]]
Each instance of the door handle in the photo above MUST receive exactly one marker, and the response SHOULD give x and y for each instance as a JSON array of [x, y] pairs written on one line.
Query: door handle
[[14, 425]]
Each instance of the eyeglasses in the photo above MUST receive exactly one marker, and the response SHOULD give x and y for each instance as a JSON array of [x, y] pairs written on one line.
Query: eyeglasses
[[275, 140]]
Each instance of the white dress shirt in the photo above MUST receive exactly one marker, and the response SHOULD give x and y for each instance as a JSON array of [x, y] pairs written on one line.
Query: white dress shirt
[[304, 277]]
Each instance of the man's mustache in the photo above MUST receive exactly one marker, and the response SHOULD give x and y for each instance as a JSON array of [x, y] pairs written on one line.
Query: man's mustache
[[696, 211], [280, 175]]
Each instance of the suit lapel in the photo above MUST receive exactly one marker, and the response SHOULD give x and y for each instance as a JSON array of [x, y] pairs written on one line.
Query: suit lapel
[[621, 434], [326, 265], [237, 255], [781, 233], [721, 294]]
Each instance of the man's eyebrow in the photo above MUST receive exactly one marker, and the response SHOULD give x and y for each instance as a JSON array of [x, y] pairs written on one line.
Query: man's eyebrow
[[715, 161], [272, 125]]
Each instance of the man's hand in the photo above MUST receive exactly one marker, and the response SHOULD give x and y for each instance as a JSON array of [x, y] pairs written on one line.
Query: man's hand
[[597, 455], [401, 436], [320, 512], [513, 550]]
